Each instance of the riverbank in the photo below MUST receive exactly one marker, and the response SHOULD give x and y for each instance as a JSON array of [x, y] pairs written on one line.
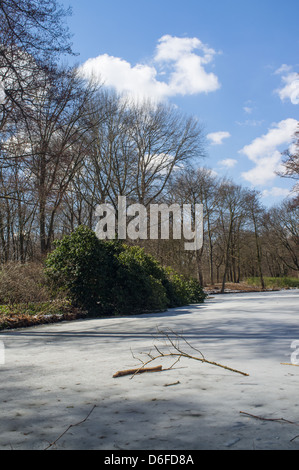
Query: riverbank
[[231, 287]]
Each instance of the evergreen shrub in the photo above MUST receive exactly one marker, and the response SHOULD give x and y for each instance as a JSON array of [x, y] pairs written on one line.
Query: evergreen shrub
[[109, 277]]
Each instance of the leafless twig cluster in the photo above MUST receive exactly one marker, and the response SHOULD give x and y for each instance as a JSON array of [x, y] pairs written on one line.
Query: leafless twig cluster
[[172, 349]]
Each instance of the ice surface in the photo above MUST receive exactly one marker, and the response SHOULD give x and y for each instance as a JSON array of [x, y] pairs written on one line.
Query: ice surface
[[54, 374]]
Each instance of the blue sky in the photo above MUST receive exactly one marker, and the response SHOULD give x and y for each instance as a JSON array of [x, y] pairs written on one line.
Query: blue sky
[[231, 63]]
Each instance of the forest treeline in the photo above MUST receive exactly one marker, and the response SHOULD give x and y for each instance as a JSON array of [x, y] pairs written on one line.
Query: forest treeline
[[67, 145]]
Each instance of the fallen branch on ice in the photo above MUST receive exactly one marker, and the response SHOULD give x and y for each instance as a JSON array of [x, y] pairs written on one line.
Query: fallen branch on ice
[[175, 351]]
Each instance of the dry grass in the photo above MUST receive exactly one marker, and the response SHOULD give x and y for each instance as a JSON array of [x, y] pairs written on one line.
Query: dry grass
[[22, 283], [26, 301]]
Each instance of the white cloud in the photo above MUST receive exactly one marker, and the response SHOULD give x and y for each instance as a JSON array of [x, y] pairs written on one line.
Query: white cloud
[[250, 122], [187, 73], [228, 162], [283, 68], [276, 192], [181, 61], [216, 138], [140, 80], [247, 109], [264, 151], [291, 81]]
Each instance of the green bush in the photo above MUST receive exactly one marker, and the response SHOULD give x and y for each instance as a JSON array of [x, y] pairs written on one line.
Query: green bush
[[111, 277], [83, 266], [183, 291], [138, 285], [195, 292]]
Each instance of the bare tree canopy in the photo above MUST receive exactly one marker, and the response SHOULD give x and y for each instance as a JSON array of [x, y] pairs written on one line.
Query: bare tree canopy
[[291, 163], [33, 36], [35, 26]]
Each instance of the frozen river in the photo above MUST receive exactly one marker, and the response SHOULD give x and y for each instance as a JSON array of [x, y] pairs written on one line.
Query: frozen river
[[53, 376]]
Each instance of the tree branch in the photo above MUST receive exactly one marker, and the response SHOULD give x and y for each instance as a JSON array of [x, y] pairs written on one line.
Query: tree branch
[[176, 352]]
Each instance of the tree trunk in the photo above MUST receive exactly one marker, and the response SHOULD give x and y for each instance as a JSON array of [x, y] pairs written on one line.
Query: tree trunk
[[42, 205], [227, 257], [199, 266], [258, 255]]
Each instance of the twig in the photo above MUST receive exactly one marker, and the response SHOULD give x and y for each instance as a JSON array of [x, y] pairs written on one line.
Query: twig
[[279, 420], [170, 385], [122, 373], [70, 426], [289, 364]]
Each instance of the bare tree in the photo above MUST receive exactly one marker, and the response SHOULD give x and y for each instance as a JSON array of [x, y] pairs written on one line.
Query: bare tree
[[199, 186], [109, 169], [53, 146], [164, 141], [283, 230], [135, 148], [33, 35], [230, 216], [256, 214], [291, 163]]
